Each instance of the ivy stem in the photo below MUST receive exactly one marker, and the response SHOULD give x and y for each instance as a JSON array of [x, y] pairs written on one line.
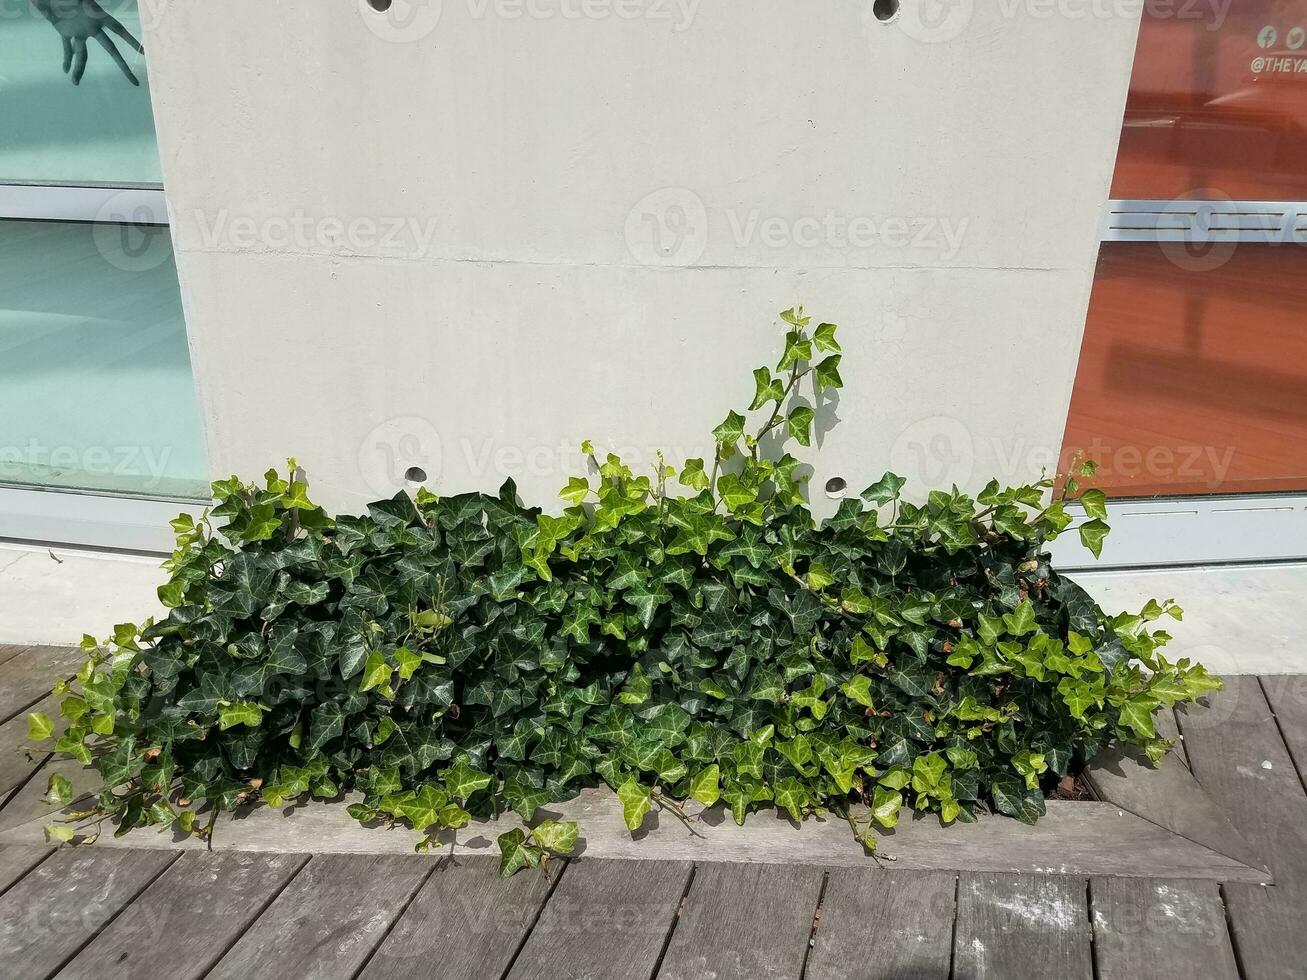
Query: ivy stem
[[676, 811]]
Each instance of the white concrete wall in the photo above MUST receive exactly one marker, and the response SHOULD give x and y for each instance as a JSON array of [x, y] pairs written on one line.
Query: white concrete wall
[[933, 188]]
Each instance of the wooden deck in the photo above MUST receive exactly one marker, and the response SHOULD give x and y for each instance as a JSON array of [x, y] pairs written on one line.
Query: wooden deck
[[177, 912]]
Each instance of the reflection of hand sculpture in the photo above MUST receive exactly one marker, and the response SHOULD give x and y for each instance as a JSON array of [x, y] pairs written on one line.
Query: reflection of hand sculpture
[[77, 21]]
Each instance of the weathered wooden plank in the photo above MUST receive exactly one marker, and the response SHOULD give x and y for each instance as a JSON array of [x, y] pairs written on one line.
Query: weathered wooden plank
[[30, 675], [1075, 838], [1243, 764], [605, 919], [63, 902], [1168, 795], [884, 925], [1241, 760], [16, 861], [744, 920], [466, 923], [184, 922], [328, 920], [1155, 928], [1021, 926], [1269, 926], [9, 650], [1287, 695]]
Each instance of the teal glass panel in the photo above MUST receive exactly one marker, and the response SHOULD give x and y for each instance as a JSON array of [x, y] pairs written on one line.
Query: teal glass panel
[[95, 374], [99, 130]]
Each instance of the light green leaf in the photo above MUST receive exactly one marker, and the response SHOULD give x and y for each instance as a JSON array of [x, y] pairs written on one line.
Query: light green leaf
[[827, 373], [39, 726], [823, 338], [558, 836], [1095, 503], [636, 800], [885, 805], [705, 785], [1092, 534], [58, 791], [799, 424], [515, 853], [240, 713]]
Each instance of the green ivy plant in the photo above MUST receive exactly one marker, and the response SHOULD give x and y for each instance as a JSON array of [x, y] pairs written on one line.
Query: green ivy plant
[[675, 635]]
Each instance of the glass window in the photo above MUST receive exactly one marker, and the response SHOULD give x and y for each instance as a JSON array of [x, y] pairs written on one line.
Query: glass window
[[74, 99], [95, 375], [1193, 371]]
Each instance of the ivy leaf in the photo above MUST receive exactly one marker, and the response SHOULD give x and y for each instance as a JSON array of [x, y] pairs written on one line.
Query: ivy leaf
[[39, 726], [858, 688], [1095, 503], [423, 808], [1022, 620], [885, 805], [240, 713], [1092, 534], [796, 350], [887, 488], [577, 489], [1013, 799], [1137, 713], [729, 432], [705, 785], [376, 672], [461, 780], [515, 853], [58, 791], [769, 389], [693, 476], [799, 423], [791, 796], [636, 801], [558, 836], [827, 373], [823, 338]]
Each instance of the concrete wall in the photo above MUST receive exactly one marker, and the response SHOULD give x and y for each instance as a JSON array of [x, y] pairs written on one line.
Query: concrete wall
[[465, 236]]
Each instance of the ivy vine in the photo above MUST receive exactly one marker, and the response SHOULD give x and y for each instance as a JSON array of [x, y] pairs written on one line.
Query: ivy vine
[[679, 634]]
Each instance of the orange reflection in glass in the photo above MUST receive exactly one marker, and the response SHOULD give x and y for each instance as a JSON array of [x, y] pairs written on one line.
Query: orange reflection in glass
[[1218, 103], [1193, 370]]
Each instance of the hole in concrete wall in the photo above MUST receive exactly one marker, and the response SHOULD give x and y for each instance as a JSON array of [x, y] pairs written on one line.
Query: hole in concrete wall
[[883, 9], [836, 486], [415, 474], [381, 6]]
